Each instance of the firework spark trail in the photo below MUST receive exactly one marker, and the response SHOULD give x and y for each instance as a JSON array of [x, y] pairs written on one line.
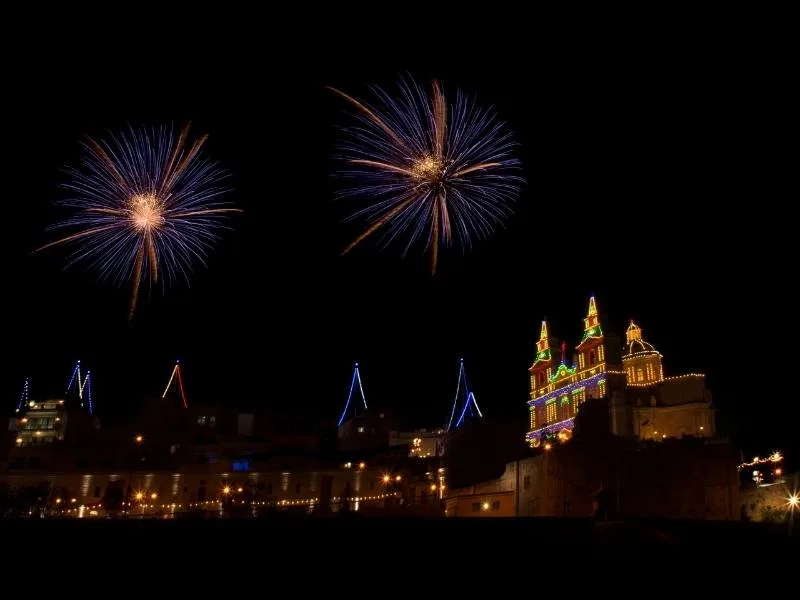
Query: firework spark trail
[[143, 206], [435, 172]]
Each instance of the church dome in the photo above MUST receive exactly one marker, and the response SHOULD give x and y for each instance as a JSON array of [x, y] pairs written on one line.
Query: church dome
[[635, 343]]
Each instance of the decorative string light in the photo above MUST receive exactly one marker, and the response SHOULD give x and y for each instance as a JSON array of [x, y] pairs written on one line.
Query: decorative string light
[[567, 388], [356, 377], [543, 346], [671, 378], [469, 400], [88, 385], [773, 458], [592, 328], [562, 371], [23, 399], [76, 373], [176, 371], [566, 423]]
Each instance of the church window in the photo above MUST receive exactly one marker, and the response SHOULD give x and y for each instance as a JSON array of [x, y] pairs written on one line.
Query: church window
[[639, 374], [578, 396], [600, 353], [581, 360], [650, 375], [550, 407]]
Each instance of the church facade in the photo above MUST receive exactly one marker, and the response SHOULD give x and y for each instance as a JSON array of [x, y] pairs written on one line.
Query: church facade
[[630, 376]]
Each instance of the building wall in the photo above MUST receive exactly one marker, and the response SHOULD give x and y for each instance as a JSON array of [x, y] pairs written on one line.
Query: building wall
[[421, 444], [686, 479], [494, 498], [659, 422], [480, 505], [769, 502], [192, 487]]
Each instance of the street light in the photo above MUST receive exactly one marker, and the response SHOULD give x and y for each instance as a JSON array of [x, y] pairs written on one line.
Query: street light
[[398, 478], [547, 446], [153, 496], [139, 439], [139, 496], [226, 490], [792, 501], [387, 478]]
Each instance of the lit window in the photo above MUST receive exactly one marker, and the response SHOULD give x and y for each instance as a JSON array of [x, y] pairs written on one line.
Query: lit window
[[201, 420], [578, 396], [639, 375], [601, 353], [361, 429], [581, 361], [550, 408], [564, 408]]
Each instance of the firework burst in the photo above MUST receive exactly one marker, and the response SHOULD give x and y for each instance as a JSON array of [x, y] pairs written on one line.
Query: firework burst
[[428, 171], [143, 204]]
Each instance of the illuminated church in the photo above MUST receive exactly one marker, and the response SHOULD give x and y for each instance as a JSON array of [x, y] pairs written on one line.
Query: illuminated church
[[642, 402]]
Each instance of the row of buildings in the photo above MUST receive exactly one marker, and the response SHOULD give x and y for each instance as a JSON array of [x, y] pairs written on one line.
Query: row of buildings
[[608, 433]]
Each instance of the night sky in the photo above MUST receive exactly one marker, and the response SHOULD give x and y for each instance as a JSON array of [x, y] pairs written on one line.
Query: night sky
[[655, 180]]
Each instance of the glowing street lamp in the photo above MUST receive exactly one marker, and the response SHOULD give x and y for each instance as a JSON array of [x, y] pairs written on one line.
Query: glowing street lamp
[[139, 439], [153, 496], [139, 496], [226, 490], [387, 478]]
